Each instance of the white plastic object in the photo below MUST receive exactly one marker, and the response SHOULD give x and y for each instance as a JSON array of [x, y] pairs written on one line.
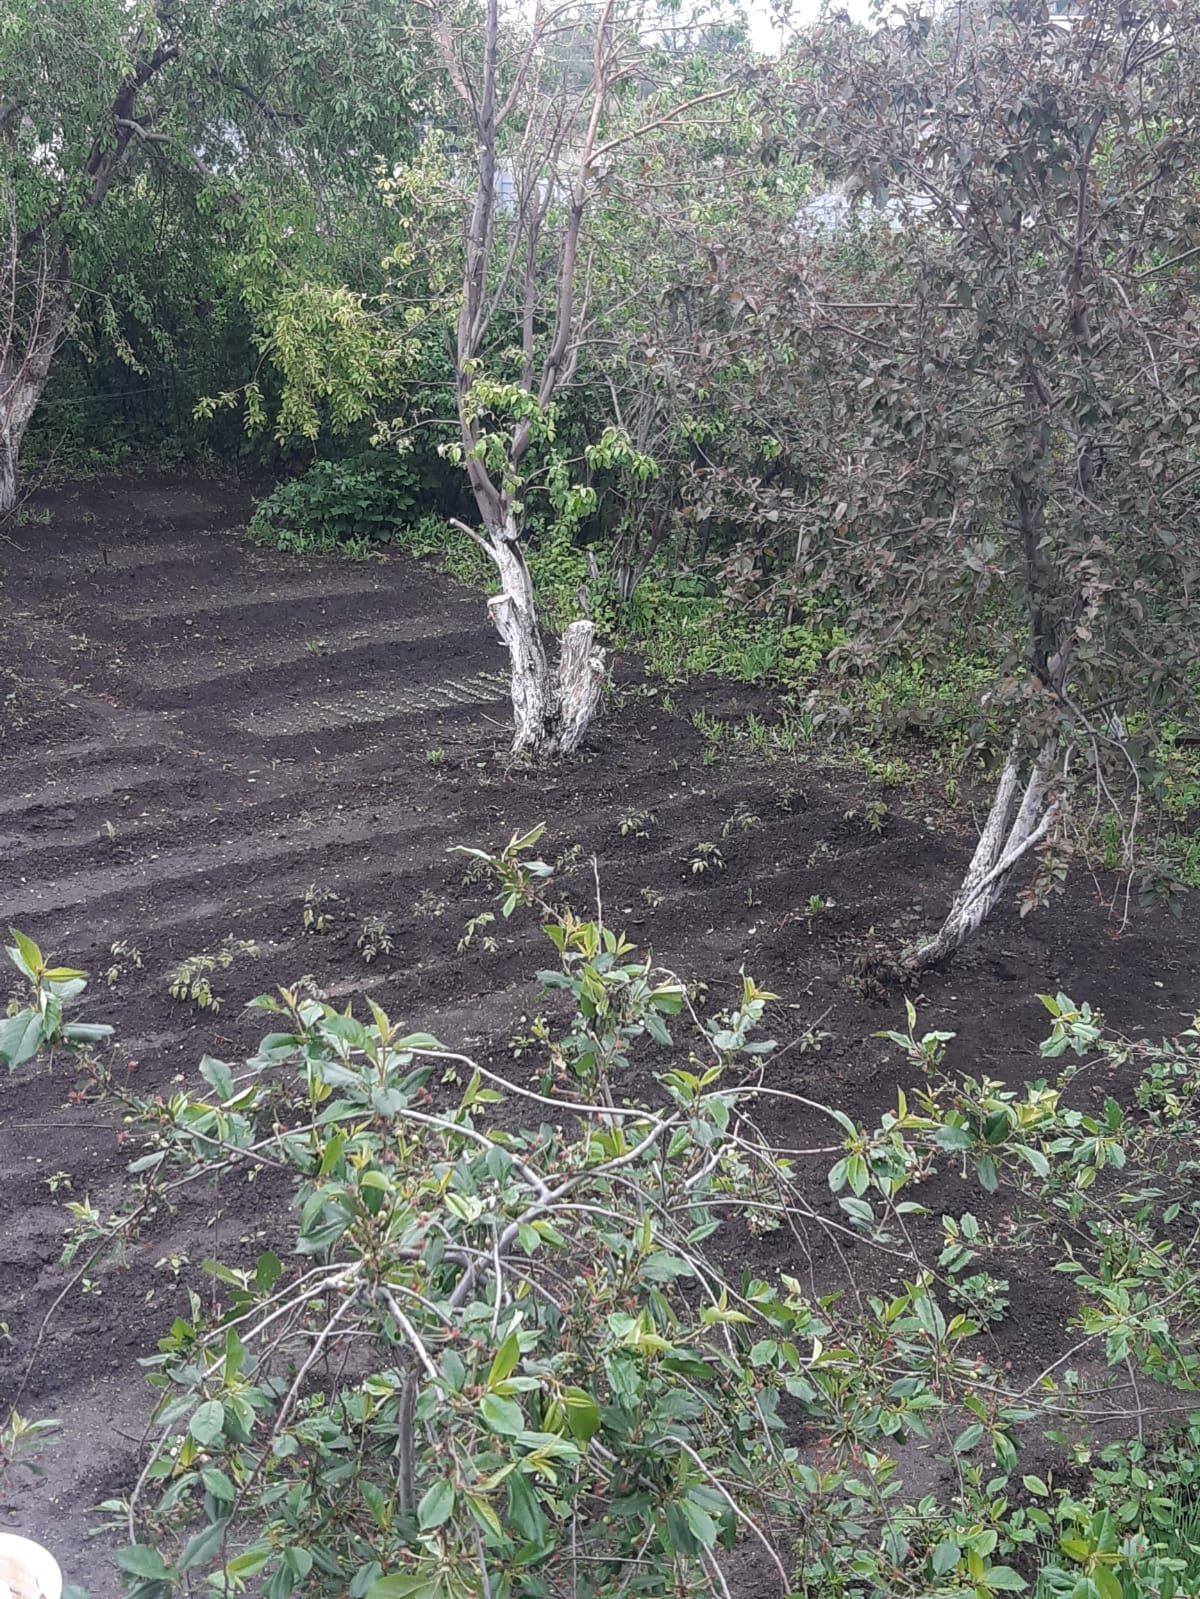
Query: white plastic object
[[27, 1571]]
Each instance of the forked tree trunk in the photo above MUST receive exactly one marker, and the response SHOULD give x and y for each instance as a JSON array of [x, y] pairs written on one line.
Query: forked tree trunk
[[1017, 821], [552, 710]]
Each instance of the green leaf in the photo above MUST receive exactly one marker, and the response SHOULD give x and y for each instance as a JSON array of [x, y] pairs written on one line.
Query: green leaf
[[985, 1170], [398, 1587], [202, 1546], [504, 1361], [25, 955], [268, 1269], [700, 1523], [946, 1557], [436, 1507], [1035, 1485], [583, 1414], [218, 1484], [20, 1038], [218, 1074], [139, 1560], [1108, 1584], [208, 1422], [1003, 1579], [502, 1415], [524, 1512]]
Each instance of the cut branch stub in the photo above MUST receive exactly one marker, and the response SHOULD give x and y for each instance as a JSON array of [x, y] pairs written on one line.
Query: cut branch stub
[[581, 672]]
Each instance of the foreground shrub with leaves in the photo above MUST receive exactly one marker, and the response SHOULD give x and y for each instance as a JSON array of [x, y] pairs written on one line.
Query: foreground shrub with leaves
[[501, 1358]]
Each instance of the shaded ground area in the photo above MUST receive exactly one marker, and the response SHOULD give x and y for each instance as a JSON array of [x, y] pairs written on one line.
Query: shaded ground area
[[198, 734]]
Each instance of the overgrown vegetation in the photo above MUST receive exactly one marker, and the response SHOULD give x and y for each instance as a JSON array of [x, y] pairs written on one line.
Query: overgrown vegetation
[[498, 1352]]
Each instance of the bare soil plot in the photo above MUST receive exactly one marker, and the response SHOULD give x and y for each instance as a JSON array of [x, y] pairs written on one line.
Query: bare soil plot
[[196, 733]]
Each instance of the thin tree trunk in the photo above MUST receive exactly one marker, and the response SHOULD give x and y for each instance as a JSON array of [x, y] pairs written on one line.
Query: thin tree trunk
[[1012, 829]]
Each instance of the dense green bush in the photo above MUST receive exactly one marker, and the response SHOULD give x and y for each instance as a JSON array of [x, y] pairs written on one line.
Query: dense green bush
[[349, 506]]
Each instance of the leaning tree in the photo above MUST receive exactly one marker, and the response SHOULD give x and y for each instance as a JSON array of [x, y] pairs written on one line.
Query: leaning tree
[[237, 96], [1000, 318]]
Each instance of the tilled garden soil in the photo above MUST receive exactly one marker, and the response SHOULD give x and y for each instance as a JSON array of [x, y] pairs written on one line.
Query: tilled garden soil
[[197, 734]]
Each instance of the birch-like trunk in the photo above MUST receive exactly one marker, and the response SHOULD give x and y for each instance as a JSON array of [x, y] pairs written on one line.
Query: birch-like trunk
[[19, 396], [552, 710], [23, 378], [1017, 821]]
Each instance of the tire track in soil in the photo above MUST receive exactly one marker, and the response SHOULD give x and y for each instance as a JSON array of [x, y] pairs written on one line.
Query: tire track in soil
[[248, 725]]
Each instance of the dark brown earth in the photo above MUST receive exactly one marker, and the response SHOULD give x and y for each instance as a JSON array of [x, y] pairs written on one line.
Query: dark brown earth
[[196, 732]]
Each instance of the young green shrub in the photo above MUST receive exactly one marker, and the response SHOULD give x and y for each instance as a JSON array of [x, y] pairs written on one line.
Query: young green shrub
[[40, 1023], [540, 1397]]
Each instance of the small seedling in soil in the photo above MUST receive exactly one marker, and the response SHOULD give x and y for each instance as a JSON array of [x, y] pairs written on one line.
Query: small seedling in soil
[[811, 1040], [59, 1182], [317, 915], [707, 858], [873, 817], [435, 757], [817, 906], [477, 872], [637, 825], [652, 898], [743, 820], [569, 861], [982, 1296], [20, 1440], [429, 904], [173, 1263], [374, 938], [710, 728], [537, 1036], [484, 919], [126, 958], [190, 981], [31, 516]]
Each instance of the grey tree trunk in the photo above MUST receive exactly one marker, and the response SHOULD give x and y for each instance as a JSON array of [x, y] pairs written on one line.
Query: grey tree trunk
[[1017, 821], [18, 401], [22, 382], [552, 711]]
